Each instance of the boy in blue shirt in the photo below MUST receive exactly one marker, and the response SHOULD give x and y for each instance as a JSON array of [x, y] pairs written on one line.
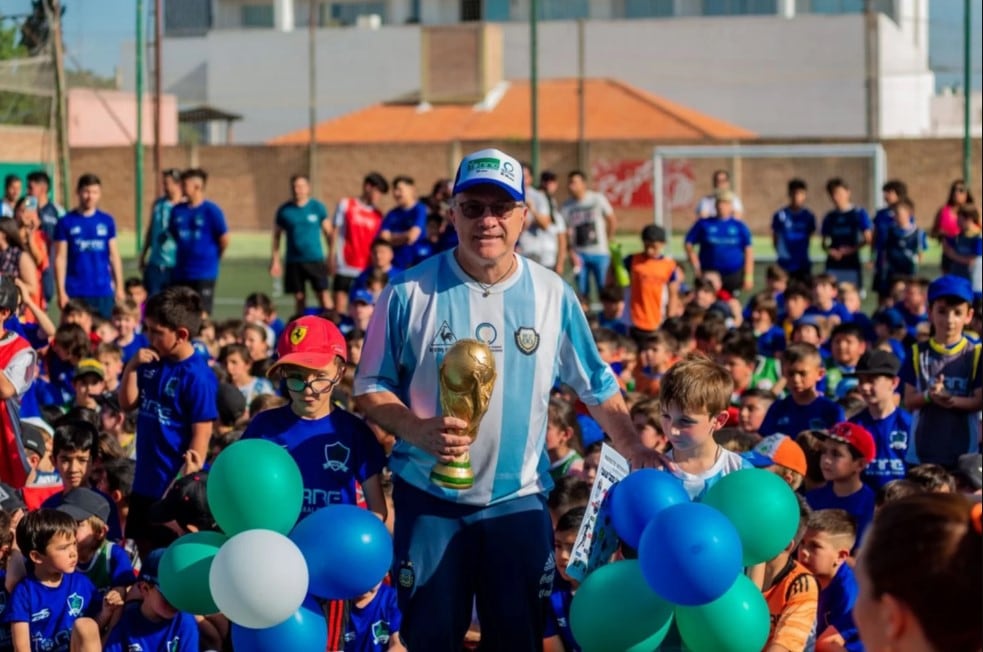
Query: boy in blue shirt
[[151, 623], [200, 236], [404, 225], [804, 408], [847, 450], [126, 319], [725, 247], [824, 303], [105, 564], [45, 605], [558, 635], [174, 390], [88, 266], [966, 249], [845, 230], [890, 425], [824, 551], [332, 447], [792, 228], [846, 345], [942, 379], [899, 250], [374, 622]]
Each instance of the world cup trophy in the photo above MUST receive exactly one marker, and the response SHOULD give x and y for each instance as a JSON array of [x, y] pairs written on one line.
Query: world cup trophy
[[467, 377]]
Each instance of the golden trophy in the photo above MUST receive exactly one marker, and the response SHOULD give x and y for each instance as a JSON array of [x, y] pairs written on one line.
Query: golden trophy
[[467, 377]]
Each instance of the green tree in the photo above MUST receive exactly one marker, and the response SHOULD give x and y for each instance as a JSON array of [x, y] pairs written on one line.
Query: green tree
[[18, 108]]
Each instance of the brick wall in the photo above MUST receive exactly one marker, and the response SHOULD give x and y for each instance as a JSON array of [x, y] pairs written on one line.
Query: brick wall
[[249, 182]]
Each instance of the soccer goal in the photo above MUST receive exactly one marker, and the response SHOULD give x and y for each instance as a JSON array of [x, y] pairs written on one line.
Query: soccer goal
[[682, 175]]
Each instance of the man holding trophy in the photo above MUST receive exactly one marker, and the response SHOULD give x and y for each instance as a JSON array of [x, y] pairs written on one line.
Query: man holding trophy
[[458, 363]]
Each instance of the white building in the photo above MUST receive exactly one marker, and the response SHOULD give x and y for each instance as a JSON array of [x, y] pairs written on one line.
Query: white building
[[781, 68]]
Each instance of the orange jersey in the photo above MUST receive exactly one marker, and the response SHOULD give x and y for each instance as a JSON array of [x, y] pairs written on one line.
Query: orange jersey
[[792, 602], [649, 295]]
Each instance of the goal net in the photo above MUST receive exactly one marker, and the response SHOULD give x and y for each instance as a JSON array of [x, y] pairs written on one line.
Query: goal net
[[682, 176], [32, 76]]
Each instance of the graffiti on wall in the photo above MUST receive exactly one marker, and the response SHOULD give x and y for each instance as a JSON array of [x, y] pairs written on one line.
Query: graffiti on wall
[[628, 183]]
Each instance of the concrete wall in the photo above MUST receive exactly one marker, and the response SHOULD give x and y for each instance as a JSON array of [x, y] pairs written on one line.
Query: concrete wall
[[106, 118], [786, 78], [249, 182]]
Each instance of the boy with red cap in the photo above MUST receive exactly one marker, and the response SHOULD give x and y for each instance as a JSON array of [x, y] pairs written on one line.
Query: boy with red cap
[[847, 450]]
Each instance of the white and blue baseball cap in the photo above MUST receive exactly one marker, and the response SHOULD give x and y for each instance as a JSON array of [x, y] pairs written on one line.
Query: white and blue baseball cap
[[491, 166]]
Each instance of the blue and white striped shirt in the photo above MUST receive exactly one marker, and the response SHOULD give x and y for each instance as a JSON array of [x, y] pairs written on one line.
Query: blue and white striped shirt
[[539, 336]]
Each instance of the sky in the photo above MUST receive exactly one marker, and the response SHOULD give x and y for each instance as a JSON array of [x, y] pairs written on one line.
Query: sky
[[96, 29]]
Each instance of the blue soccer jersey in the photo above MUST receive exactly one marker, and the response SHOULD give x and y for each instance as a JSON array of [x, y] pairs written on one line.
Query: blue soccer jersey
[[196, 231], [787, 417], [399, 221], [536, 329], [845, 229], [891, 435], [859, 504], [834, 614], [87, 237], [792, 230], [134, 631], [51, 611], [173, 397], [371, 628], [332, 452], [722, 243]]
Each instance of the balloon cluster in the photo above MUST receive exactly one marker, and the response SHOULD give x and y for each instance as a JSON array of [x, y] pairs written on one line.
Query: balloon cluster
[[690, 566], [263, 572]]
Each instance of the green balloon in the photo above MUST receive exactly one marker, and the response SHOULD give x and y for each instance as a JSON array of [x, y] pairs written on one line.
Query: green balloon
[[763, 509], [737, 621], [255, 485], [614, 609], [183, 571]]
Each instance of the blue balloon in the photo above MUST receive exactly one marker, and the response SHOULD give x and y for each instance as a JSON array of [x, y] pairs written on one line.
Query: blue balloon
[[305, 630], [690, 554], [348, 551], [639, 497]]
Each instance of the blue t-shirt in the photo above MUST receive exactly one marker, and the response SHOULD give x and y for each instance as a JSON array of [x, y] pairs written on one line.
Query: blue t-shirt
[[898, 250], [787, 417], [332, 452], [792, 230], [371, 627], [911, 319], [722, 242], [967, 246], [173, 397], [891, 435], [401, 220], [138, 342], [845, 229], [88, 272], [361, 281], [558, 619], [837, 310], [882, 223], [161, 243], [866, 325], [196, 231], [859, 504], [135, 632], [771, 342], [51, 611], [302, 226], [835, 608]]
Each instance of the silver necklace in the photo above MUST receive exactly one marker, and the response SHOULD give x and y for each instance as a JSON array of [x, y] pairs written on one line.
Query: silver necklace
[[486, 287]]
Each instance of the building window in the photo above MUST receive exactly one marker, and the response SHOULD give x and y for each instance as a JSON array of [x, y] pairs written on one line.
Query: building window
[[346, 13], [836, 6], [564, 9], [257, 15], [649, 8], [739, 7]]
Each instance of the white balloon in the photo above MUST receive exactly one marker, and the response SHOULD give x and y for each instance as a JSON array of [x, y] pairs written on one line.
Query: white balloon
[[258, 578]]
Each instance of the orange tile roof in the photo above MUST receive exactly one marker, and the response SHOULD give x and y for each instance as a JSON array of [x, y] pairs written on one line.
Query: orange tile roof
[[614, 111]]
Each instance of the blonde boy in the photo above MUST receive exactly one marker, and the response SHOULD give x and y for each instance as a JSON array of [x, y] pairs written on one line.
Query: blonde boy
[[694, 397]]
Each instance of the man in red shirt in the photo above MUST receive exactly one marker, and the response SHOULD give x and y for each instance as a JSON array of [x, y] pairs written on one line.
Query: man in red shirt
[[356, 223]]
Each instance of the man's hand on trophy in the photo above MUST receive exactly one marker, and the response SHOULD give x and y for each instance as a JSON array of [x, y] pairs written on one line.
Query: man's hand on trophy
[[440, 436]]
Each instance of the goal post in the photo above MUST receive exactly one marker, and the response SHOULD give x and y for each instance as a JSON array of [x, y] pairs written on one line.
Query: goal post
[[759, 173]]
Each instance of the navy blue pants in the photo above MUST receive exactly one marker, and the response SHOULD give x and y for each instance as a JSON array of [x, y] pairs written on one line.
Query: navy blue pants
[[450, 556]]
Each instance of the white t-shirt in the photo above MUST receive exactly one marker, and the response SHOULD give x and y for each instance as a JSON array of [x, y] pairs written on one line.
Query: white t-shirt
[[707, 207], [697, 485], [538, 244], [586, 221]]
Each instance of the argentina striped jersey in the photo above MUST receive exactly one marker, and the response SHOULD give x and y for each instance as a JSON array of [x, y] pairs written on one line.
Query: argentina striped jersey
[[536, 330]]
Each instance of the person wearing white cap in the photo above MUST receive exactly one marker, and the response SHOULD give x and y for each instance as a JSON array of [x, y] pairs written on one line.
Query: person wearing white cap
[[491, 541]]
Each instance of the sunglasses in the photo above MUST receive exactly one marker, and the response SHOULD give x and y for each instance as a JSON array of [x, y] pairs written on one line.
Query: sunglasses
[[475, 209], [317, 385]]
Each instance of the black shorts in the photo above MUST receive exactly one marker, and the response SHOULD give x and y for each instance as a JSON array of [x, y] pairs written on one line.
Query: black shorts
[[298, 275], [343, 283], [204, 288], [733, 282]]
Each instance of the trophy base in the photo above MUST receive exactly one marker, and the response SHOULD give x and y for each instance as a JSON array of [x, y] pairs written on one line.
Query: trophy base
[[453, 475]]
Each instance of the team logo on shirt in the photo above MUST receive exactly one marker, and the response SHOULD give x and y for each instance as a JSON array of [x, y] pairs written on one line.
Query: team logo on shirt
[[527, 339], [44, 614], [407, 577], [170, 387], [75, 603], [898, 439], [380, 632], [298, 334], [101, 231], [336, 457], [486, 333], [443, 339], [135, 647], [173, 644]]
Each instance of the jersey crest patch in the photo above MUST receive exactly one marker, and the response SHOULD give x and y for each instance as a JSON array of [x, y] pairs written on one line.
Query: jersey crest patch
[[527, 340], [336, 457]]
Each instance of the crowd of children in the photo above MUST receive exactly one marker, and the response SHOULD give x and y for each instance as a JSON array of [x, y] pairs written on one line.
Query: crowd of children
[[105, 454]]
